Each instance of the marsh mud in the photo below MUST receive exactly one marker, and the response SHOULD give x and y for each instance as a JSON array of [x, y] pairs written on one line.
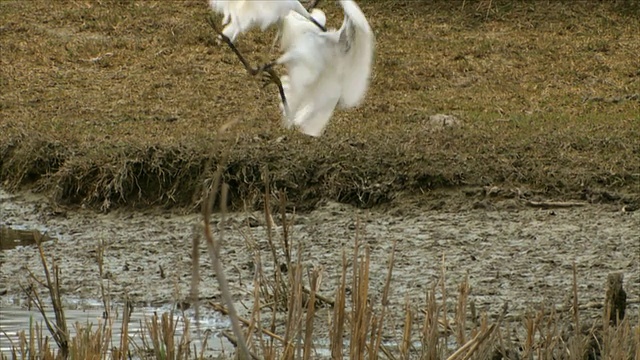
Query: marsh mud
[[514, 254]]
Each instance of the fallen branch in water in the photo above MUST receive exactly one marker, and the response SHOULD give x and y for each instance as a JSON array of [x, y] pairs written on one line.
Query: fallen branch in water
[[468, 349], [221, 309], [553, 205], [232, 339]]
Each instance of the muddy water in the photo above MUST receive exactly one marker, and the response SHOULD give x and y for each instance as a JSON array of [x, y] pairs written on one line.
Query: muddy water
[[514, 254]]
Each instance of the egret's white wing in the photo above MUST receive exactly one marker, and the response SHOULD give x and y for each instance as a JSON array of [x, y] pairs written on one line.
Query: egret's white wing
[[317, 104], [312, 106], [307, 61], [242, 15], [313, 85], [222, 7], [294, 25], [326, 69], [357, 42], [315, 82]]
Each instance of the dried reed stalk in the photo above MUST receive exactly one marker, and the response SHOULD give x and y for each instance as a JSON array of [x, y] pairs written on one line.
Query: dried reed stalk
[[311, 307], [59, 330], [461, 311], [336, 329], [213, 246], [385, 303], [361, 311]]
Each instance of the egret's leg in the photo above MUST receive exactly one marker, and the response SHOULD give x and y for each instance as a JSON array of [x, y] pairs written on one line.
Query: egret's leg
[[270, 77], [229, 43], [267, 68], [226, 19], [231, 31], [283, 97]]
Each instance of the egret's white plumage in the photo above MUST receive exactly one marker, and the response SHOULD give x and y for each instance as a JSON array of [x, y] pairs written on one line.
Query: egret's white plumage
[[295, 24], [325, 69], [240, 16]]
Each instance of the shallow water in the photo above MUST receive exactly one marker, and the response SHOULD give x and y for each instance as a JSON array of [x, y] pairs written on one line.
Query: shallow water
[[12, 237], [16, 317]]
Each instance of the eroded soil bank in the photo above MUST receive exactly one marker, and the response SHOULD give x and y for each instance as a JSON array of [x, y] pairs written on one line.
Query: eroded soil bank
[[520, 255]]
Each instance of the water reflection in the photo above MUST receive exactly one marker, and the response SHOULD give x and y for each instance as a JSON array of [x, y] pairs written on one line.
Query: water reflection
[[11, 238]]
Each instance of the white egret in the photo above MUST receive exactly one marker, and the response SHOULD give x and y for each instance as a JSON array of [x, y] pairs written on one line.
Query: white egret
[[240, 16], [325, 69], [295, 24]]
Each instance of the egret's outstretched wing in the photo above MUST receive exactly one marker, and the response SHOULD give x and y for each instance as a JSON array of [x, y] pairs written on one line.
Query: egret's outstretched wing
[[242, 15], [306, 59], [325, 69], [357, 43]]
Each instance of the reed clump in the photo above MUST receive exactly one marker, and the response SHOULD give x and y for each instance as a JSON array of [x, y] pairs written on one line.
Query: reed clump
[[109, 338], [284, 321]]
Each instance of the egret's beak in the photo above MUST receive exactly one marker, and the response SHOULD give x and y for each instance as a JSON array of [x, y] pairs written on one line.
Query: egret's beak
[[324, 29]]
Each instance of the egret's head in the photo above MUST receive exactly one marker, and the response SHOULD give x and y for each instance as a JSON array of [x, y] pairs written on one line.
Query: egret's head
[[319, 16]]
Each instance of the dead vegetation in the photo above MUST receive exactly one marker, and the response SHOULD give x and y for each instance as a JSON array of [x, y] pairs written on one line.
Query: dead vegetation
[[117, 103], [288, 316], [109, 338]]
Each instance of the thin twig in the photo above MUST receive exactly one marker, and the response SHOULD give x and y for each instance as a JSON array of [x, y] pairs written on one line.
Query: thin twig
[[61, 334], [194, 292], [576, 313], [385, 301], [206, 206], [213, 248]]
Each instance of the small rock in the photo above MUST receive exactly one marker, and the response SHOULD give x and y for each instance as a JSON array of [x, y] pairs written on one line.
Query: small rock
[[441, 121]]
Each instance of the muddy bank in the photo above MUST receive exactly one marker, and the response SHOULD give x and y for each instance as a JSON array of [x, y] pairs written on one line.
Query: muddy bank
[[523, 256]]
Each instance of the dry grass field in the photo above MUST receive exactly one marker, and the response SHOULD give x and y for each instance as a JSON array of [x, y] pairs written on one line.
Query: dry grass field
[[110, 103]]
